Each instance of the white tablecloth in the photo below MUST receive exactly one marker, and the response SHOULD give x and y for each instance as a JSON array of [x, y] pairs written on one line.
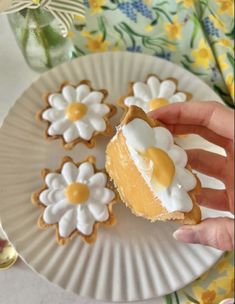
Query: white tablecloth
[[20, 285]]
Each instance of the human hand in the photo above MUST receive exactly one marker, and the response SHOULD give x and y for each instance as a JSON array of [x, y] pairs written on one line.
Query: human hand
[[215, 123]]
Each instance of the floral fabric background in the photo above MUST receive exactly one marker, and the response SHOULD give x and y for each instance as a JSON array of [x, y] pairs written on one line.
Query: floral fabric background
[[197, 35], [214, 286]]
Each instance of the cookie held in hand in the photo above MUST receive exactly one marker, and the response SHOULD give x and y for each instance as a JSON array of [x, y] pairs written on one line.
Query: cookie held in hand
[[151, 172]]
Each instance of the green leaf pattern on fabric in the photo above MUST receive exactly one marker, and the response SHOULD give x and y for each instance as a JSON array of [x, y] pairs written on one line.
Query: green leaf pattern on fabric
[[211, 288], [197, 35]]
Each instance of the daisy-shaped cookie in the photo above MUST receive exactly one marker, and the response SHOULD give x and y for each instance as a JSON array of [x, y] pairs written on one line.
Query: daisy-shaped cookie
[[76, 199], [153, 94], [77, 114]]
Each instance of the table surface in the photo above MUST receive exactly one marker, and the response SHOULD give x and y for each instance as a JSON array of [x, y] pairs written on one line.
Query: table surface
[[20, 285]]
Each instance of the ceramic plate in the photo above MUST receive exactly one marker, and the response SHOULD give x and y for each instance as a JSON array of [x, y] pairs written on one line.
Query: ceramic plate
[[135, 260]]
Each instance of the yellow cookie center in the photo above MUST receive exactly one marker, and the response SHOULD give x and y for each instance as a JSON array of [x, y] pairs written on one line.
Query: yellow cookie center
[[157, 103], [76, 111], [163, 166], [77, 193]]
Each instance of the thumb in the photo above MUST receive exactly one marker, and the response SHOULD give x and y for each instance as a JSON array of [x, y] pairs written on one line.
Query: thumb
[[214, 232]]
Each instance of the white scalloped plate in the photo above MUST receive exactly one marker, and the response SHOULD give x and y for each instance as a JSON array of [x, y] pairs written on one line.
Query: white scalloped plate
[[135, 260]]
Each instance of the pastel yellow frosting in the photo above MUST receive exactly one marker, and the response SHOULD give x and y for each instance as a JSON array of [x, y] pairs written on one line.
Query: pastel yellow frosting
[[163, 166], [77, 193], [157, 103], [75, 111]]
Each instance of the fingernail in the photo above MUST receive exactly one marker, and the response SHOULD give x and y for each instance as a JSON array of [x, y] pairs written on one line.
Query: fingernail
[[227, 301], [186, 235]]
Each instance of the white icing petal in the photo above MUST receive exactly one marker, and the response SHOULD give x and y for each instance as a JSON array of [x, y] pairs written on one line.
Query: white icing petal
[[179, 156], [98, 123], [84, 129], [178, 97], [53, 114], [135, 101], [51, 196], [93, 98], [167, 89], [102, 195], [99, 211], [98, 180], [69, 172], [175, 197], [139, 134], [54, 212], [69, 93], [68, 223], [142, 91], [99, 109], [58, 127], [85, 171], [180, 200], [71, 133], [163, 138], [154, 85], [82, 91], [86, 229], [57, 101], [186, 178], [85, 221], [55, 181]]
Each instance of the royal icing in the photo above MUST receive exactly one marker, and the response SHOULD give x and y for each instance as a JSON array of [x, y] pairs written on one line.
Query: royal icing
[[161, 163], [154, 94], [76, 198], [76, 113]]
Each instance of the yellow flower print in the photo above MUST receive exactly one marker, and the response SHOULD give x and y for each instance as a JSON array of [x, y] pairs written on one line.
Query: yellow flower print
[[71, 34], [226, 42], [226, 7], [79, 18], [187, 3], [202, 55], [230, 84], [149, 28], [222, 265], [174, 29], [231, 287], [96, 5], [148, 2], [217, 22], [225, 283], [206, 296], [222, 62], [96, 43]]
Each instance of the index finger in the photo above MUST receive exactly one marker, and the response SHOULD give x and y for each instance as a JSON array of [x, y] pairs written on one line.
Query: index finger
[[212, 115]]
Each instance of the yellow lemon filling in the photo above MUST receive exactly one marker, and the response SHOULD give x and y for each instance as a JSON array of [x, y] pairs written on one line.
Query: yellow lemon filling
[[163, 166], [157, 103], [77, 193], [75, 111]]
